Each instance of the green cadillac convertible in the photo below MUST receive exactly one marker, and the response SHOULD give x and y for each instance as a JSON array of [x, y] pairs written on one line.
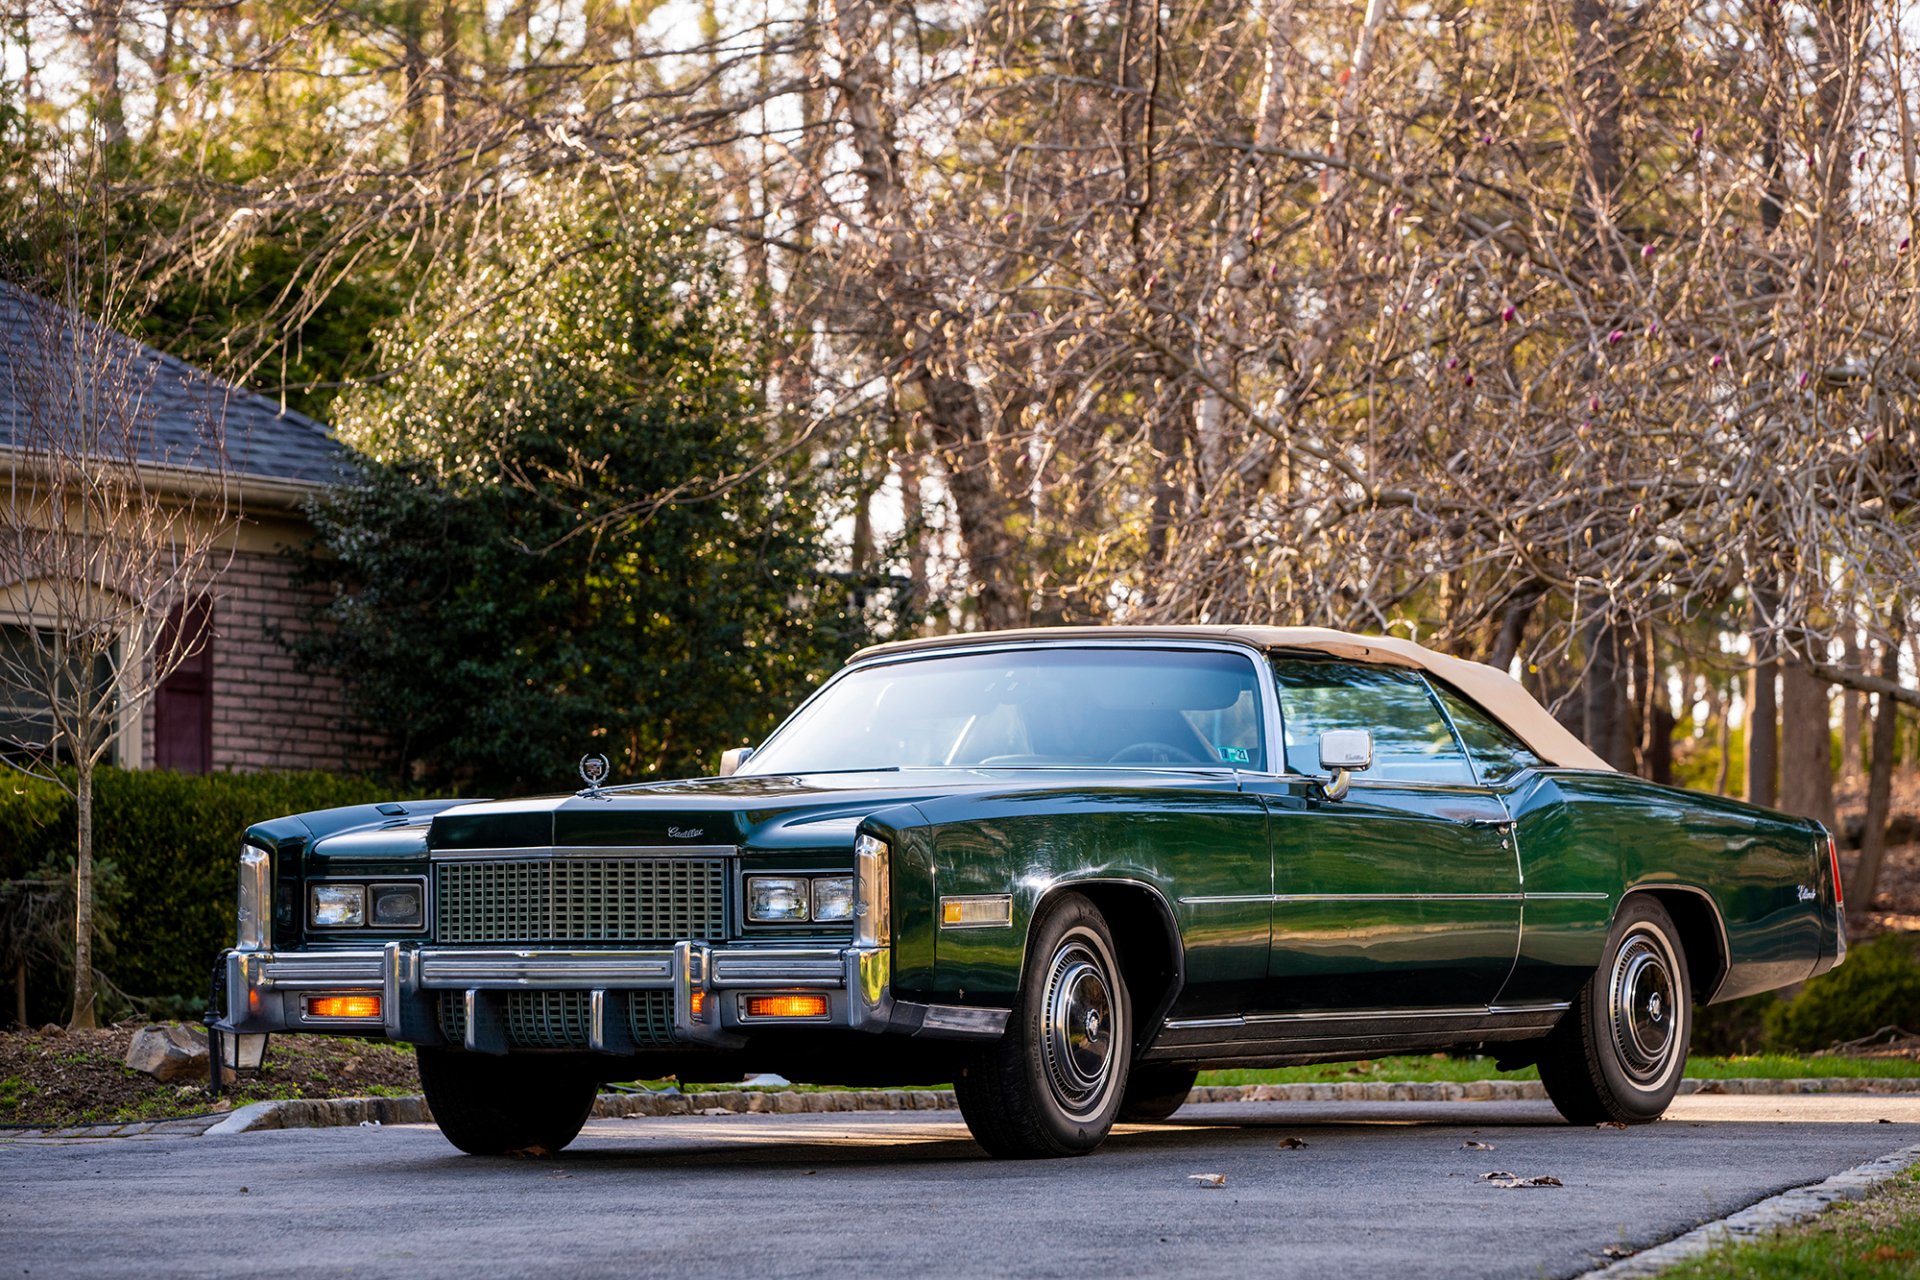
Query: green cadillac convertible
[[1064, 869]]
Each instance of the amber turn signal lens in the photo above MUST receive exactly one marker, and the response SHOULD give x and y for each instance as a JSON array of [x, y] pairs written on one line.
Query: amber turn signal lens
[[786, 1006], [361, 1007], [698, 1003]]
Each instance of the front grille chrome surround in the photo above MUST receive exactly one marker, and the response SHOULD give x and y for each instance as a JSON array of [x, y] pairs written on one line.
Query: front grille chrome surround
[[547, 900]]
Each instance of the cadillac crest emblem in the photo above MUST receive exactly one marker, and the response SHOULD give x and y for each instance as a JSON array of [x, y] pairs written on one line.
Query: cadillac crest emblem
[[593, 771]]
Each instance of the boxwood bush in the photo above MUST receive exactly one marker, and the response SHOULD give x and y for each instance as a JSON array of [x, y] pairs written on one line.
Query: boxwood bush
[[167, 844]]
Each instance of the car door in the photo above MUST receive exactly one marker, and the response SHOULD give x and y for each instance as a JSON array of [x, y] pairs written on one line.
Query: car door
[[1405, 893]]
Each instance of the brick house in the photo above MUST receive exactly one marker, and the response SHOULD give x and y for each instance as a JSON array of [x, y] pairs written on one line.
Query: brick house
[[242, 703]]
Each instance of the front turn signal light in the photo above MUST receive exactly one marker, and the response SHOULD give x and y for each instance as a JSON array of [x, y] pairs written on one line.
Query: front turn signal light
[[786, 1006], [697, 1003], [358, 1008]]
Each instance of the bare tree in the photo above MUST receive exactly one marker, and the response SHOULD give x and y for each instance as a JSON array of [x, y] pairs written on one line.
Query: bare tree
[[111, 522]]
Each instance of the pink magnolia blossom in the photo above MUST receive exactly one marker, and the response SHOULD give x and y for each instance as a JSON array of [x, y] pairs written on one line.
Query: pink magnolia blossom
[[1507, 314], [1616, 337]]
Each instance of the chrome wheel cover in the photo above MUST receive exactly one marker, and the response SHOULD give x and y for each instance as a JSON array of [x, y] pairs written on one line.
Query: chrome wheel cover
[[1077, 1026], [1643, 1008]]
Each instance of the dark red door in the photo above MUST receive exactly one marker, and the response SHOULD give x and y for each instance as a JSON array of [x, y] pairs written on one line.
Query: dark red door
[[183, 705]]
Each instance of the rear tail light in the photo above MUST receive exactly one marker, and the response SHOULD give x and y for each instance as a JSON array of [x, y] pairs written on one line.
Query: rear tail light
[[1833, 860]]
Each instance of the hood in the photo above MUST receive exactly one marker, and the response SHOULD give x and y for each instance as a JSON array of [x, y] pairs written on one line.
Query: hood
[[815, 810]]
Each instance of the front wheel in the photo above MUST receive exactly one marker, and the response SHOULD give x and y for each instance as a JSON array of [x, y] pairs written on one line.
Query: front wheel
[[1620, 1051], [532, 1104], [1052, 1085]]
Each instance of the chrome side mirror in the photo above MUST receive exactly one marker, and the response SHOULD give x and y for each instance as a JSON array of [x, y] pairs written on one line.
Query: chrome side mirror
[[731, 760], [1344, 752]]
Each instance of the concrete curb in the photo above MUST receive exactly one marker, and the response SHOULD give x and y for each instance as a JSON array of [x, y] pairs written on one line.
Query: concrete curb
[[323, 1113], [314, 1113], [1784, 1210]]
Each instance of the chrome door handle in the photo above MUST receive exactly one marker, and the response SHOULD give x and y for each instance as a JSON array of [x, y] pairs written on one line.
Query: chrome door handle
[[1499, 823]]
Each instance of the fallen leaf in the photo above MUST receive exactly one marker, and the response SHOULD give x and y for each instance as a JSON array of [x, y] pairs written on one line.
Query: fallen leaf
[[369, 1124], [534, 1152], [1883, 1120], [1617, 1251], [1508, 1181], [1474, 1144], [1495, 1175], [1208, 1179], [715, 1111], [1611, 1124], [1292, 1144]]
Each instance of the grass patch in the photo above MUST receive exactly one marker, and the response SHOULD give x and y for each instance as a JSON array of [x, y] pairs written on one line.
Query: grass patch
[[1442, 1067], [1866, 1240]]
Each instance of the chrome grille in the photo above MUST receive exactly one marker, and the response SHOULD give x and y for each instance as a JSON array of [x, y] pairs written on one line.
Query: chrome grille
[[580, 900]]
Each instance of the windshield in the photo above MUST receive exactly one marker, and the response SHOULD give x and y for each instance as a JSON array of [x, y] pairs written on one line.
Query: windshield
[[1029, 708]]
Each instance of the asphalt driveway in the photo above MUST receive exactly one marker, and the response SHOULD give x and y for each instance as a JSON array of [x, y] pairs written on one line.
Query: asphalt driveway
[[1380, 1189]]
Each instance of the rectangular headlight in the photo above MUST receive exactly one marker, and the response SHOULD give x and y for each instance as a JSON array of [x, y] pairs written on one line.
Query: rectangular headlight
[[337, 906], [398, 906], [833, 898], [777, 899]]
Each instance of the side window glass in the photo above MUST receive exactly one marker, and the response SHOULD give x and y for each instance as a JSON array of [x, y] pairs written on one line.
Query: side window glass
[[1497, 754], [1411, 740]]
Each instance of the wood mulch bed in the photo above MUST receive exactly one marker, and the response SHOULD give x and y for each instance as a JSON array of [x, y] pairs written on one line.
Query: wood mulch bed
[[53, 1077]]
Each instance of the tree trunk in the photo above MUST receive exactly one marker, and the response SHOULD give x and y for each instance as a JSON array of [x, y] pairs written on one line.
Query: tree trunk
[[1873, 834], [1763, 722], [83, 1017], [1723, 715], [103, 69], [20, 994], [1806, 745], [1603, 698], [1851, 703]]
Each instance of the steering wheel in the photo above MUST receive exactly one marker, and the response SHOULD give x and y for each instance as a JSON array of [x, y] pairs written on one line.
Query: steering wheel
[[1154, 753]]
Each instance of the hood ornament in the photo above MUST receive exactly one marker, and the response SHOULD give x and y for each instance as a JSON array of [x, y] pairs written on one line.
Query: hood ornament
[[593, 771]]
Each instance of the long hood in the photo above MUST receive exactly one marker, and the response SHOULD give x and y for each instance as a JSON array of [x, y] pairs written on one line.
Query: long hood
[[773, 812]]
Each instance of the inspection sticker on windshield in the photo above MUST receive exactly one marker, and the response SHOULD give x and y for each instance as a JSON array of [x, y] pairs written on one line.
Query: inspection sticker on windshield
[[1236, 755]]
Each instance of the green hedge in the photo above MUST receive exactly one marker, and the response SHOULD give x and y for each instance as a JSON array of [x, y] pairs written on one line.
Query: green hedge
[[168, 843]]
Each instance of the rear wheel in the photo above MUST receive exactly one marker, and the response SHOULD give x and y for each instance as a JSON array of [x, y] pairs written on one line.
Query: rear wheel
[[513, 1105], [1621, 1049], [1052, 1085], [1155, 1092]]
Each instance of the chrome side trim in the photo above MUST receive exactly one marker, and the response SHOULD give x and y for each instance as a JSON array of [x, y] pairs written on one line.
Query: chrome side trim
[[537, 852], [1523, 896], [1361, 1015]]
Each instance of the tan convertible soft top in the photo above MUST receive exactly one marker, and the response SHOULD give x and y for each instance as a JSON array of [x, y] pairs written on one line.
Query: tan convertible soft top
[[1494, 690]]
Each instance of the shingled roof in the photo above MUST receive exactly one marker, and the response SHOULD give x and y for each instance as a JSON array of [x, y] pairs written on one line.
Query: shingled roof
[[180, 405]]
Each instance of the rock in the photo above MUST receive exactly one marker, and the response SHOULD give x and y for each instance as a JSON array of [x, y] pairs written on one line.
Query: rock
[[169, 1053]]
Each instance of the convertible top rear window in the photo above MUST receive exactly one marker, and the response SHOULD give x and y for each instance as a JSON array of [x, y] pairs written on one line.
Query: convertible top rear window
[[1032, 707]]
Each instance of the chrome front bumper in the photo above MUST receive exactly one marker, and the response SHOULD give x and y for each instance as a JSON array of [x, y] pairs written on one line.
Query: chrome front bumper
[[268, 991]]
